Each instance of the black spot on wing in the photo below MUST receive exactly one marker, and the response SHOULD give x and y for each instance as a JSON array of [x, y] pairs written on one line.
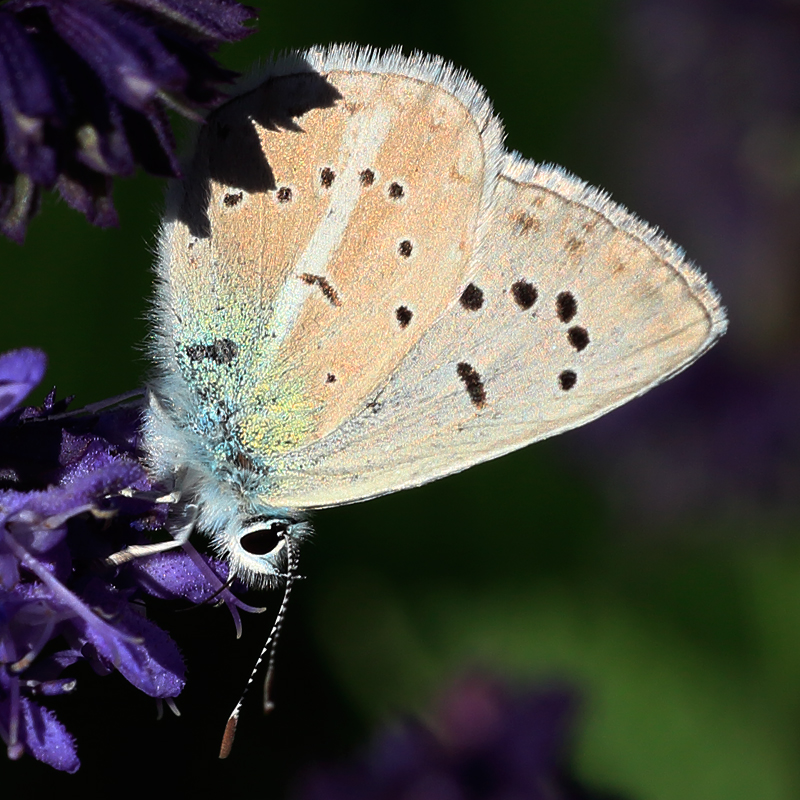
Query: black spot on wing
[[524, 294], [567, 379], [328, 292], [566, 306], [404, 315], [220, 351], [473, 383], [326, 177], [578, 337], [471, 298], [366, 177], [197, 352]]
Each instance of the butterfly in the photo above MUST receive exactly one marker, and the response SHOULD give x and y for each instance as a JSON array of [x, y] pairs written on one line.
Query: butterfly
[[360, 290]]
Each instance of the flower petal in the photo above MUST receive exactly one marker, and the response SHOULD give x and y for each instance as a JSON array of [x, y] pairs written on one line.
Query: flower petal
[[20, 371], [42, 735], [215, 19], [26, 103]]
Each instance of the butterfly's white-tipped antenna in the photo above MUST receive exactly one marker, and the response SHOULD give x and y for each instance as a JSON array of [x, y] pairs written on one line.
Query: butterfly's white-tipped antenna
[[270, 647]]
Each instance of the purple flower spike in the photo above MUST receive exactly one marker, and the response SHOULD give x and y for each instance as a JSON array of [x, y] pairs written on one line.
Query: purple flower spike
[[72, 493], [20, 371], [489, 743], [84, 86]]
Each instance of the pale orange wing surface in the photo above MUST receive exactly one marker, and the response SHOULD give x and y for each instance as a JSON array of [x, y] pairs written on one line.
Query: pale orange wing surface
[[370, 293], [357, 198], [573, 308]]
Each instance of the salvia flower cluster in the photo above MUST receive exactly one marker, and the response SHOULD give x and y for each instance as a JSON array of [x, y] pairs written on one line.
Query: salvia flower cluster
[[84, 88], [72, 493]]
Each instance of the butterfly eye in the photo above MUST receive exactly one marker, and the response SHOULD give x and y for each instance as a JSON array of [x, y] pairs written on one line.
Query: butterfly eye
[[259, 548], [263, 537]]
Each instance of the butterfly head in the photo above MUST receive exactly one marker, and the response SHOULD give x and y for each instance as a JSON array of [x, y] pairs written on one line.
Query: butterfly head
[[220, 494], [259, 549], [256, 540]]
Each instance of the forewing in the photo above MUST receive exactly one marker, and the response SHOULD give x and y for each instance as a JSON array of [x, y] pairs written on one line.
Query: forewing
[[328, 218]]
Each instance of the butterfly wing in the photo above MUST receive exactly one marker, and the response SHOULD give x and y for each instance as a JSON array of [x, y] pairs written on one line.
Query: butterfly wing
[[574, 307], [457, 305], [318, 206]]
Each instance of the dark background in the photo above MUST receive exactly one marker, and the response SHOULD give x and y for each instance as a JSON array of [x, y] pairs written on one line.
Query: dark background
[[652, 559]]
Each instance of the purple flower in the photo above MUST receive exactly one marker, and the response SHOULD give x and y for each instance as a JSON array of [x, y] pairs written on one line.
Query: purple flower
[[84, 85], [488, 743], [72, 492]]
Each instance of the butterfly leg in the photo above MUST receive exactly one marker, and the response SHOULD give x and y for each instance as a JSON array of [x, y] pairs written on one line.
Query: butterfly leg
[[152, 496], [179, 537]]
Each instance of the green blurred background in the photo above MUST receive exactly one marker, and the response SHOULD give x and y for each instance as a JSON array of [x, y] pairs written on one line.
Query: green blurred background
[[653, 562]]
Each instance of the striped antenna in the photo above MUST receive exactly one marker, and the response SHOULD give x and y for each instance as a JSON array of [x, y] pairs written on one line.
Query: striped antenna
[[269, 647]]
